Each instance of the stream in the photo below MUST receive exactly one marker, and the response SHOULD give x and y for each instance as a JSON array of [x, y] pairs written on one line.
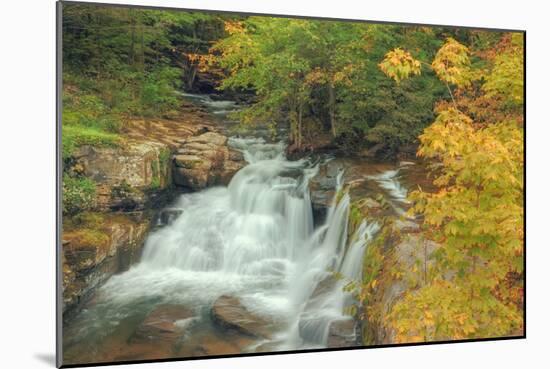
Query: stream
[[254, 240]]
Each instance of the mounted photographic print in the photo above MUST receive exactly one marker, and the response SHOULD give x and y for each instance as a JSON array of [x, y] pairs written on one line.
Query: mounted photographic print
[[244, 184]]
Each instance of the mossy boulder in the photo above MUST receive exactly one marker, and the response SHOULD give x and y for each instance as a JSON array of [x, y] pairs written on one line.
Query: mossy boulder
[[94, 247]]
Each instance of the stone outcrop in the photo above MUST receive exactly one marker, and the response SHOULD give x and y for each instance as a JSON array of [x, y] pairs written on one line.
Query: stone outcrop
[[205, 160], [126, 177], [135, 174], [401, 245], [229, 313], [93, 253]]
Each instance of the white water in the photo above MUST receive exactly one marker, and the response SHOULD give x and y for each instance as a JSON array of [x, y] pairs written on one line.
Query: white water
[[389, 181], [218, 107], [255, 240]]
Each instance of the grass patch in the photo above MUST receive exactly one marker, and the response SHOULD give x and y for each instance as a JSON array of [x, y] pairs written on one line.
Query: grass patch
[[74, 136]]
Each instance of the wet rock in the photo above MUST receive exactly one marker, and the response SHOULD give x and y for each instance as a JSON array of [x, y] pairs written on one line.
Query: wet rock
[[235, 156], [206, 160], [163, 323], [322, 189], [268, 347], [230, 168], [342, 333], [326, 285], [213, 345], [229, 313], [168, 215], [320, 210]]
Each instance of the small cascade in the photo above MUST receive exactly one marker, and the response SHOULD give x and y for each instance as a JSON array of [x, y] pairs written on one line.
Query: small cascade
[[389, 181]]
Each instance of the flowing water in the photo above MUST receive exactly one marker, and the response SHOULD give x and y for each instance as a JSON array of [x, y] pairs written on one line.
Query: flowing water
[[254, 240]]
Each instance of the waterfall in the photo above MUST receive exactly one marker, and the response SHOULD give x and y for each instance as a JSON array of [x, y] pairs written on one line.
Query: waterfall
[[255, 240]]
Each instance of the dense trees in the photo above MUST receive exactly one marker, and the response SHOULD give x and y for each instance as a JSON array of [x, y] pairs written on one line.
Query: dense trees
[[131, 60], [122, 63], [325, 73]]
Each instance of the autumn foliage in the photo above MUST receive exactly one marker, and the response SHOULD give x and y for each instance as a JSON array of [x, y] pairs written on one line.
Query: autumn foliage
[[474, 287]]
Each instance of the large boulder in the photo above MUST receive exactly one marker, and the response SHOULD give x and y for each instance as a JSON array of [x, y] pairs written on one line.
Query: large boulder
[[229, 313], [205, 160], [126, 177]]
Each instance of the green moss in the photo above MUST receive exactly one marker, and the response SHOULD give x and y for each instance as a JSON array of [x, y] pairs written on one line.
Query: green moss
[[86, 237], [74, 136], [155, 182], [159, 169], [164, 156], [95, 220], [88, 219]]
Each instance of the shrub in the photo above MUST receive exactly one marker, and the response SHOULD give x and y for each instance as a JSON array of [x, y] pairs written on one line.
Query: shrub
[[78, 195]]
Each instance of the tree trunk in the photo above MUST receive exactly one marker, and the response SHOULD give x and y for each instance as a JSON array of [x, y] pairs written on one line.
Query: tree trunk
[[142, 47], [331, 107], [191, 77], [300, 110], [132, 54]]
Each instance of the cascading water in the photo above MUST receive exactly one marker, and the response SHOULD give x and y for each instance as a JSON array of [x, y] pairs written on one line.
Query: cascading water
[[254, 240], [389, 181]]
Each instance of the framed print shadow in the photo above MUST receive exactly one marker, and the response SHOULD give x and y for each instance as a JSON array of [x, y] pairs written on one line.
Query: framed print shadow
[[238, 184]]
